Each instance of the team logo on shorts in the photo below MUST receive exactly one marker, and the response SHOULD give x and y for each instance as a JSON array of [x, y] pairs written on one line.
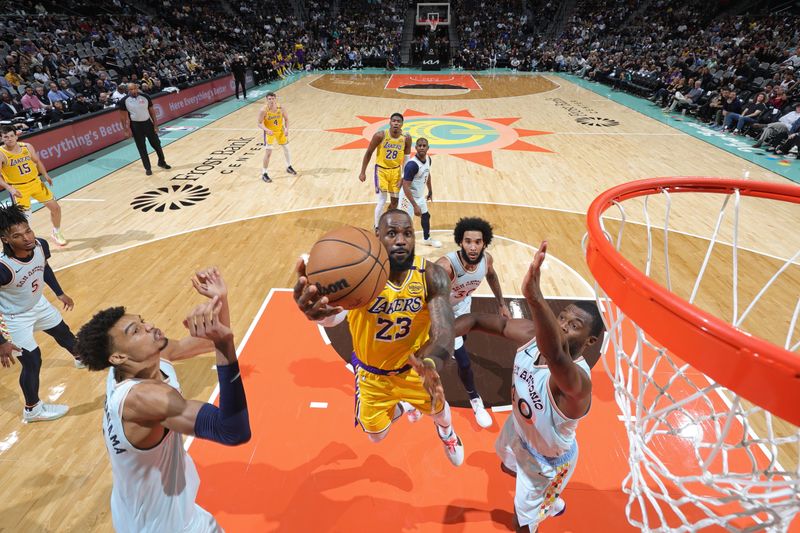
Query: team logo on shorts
[[459, 134], [415, 287], [170, 198]]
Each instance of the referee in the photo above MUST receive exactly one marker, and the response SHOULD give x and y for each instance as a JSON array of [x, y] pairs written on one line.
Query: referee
[[142, 121]]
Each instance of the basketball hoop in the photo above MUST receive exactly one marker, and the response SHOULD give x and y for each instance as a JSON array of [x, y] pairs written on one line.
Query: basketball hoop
[[656, 344], [433, 21]]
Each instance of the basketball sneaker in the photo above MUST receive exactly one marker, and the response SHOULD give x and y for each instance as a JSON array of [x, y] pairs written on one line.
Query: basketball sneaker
[[558, 507], [482, 416], [43, 412], [291, 171], [59, 237], [432, 242], [453, 448], [266, 178]]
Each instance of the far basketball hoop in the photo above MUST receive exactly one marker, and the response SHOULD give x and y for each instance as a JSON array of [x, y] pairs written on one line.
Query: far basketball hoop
[[433, 14]]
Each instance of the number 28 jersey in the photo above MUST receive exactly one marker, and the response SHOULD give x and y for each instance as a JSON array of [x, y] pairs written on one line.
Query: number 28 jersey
[[395, 324]]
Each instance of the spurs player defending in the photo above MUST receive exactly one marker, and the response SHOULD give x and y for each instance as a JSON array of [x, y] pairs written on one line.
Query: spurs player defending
[[23, 274], [551, 392], [413, 197], [155, 480], [467, 267]]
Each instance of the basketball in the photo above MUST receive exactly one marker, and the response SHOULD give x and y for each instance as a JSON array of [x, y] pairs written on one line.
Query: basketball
[[348, 265]]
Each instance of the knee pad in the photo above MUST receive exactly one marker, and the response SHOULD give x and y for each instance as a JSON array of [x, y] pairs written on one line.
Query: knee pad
[[377, 437]]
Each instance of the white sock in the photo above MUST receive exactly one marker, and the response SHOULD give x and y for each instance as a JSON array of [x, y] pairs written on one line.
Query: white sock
[[380, 203], [263, 170], [444, 423], [407, 406], [286, 153]]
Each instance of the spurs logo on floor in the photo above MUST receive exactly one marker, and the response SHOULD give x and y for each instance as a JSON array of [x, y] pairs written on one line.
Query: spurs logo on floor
[[170, 198], [597, 121]]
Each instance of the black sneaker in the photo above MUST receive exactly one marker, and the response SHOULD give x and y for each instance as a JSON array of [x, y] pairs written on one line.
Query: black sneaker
[[266, 178], [164, 165], [291, 171], [148, 172]]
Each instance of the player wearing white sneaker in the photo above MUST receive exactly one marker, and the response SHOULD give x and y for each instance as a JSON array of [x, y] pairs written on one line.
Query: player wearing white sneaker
[[20, 166], [23, 273], [467, 268], [552, 391], [413, 197], [155, 481], [398, 363]]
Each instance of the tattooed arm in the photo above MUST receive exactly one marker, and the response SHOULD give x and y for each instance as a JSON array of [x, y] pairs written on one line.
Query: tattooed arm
[[440, 345]]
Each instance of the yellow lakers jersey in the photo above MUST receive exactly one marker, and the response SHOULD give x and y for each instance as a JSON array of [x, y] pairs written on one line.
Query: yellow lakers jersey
[[273, 120], [391, 151], [19, 167], [395, 324]]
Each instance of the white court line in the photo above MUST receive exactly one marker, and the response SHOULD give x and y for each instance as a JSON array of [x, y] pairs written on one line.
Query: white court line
[[351, 204], [501, 408], [241, 346], [318, 405], [476, 82], [324, 334]]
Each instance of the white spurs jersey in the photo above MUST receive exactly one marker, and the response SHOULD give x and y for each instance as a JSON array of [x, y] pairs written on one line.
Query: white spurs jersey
[[537, 419], [154, 490], [27, 281], [420, 178], [464, 282]]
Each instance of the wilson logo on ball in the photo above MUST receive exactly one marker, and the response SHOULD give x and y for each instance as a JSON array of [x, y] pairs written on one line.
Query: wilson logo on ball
[[332, 288]]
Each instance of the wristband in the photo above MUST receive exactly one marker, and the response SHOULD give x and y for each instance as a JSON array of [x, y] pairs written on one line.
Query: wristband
[[431, 360]]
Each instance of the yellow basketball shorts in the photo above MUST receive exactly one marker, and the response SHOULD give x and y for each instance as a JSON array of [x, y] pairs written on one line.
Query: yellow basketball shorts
[[377, 396], [387, 180], [274, 137], [35, 189]]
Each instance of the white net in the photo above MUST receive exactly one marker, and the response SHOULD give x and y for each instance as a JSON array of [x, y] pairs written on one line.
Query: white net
[[700, 456]]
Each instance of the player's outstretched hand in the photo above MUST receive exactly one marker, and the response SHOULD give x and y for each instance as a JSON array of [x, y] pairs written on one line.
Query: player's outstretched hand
[[430, 380], [203, 322], [7, 350], [209, 283], [67, 301], [530, 284], [308, 299]]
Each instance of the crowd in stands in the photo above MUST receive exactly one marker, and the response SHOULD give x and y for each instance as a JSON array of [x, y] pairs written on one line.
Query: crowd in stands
[[737, 73]]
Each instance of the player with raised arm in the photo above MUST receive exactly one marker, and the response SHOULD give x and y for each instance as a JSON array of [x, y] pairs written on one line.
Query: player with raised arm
[[400, 339], [551, 392], [155, 480]]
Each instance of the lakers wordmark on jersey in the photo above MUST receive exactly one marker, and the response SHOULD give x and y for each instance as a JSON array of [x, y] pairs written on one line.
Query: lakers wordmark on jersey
[[395, 324]]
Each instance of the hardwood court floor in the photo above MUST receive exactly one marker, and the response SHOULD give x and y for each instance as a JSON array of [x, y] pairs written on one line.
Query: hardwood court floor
[[56, 475]]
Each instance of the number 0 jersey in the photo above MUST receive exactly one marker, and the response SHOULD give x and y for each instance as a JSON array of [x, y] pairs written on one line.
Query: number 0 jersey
[[19, 167], [395, 324]]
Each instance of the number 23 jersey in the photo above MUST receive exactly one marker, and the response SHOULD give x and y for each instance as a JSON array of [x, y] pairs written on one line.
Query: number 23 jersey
[[395, 324]]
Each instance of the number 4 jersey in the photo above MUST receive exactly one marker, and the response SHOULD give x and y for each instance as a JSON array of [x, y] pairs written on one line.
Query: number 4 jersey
[[395, 324], [22, 282]]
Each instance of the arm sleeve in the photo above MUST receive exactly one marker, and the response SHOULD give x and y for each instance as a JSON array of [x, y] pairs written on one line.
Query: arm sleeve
[[410, 171], [5, 275], [121, 103], [52, 282], [45, 247], [229, 423]]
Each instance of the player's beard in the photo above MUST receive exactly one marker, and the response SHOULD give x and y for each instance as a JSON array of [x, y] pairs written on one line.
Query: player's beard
[[401, 266], [469, 261]]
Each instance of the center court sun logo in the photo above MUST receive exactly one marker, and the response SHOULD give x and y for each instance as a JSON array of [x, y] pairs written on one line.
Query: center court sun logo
[[459, 134], [170, 198]]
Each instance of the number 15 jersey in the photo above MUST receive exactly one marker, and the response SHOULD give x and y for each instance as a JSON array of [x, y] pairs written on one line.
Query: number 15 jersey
[[395, 324], [19, 167]]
